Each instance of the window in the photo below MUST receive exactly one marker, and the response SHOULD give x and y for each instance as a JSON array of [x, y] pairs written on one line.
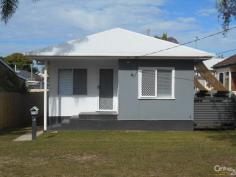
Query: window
[[164, 83], [80, 82], [226, 84], [72, 81], [221, 78], [156, 83], [65, 82]]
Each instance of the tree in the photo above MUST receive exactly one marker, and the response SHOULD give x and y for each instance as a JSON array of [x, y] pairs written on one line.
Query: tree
[[226, 10], [7, 9], [20, 61], [166, 38]]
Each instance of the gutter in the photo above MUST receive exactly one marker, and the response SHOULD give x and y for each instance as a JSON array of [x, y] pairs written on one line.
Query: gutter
[[46, 57], [223, 66]]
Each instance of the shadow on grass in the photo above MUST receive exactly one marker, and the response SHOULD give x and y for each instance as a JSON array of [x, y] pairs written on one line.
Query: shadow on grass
[[14, 131], [223, 136], [51, 135], [18, 131]]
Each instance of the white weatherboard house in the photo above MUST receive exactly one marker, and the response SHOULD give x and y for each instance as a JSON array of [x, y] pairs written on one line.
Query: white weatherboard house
[[118, 79]]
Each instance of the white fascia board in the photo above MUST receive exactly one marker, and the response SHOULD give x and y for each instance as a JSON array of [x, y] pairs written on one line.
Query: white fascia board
[[87, 57]]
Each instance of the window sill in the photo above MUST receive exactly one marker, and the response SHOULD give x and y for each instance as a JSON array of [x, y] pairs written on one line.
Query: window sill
[[156, 98]]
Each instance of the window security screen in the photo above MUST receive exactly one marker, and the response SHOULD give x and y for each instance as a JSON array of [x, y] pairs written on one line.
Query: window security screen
[[148, 86]]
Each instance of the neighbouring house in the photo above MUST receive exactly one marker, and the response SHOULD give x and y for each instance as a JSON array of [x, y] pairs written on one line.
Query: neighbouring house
[[226, 72], [130, 79], [33, 81], [209, 64], [15, 100], [9, 80]]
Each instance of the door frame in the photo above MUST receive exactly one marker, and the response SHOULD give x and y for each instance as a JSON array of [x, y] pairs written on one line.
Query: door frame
[[114, 68]]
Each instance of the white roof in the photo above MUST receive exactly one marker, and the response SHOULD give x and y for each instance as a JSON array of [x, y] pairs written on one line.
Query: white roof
[[210, 63], [120, 42]]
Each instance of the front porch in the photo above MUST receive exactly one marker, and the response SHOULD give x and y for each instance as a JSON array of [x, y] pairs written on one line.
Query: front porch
[[84, 89]]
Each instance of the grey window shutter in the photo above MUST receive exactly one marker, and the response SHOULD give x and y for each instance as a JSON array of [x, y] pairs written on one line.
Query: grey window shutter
[[148, 86], [80, 82], [164, 83], [65, 82]]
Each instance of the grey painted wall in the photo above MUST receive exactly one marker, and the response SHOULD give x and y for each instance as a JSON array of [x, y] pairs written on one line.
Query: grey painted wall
[[131, 108]]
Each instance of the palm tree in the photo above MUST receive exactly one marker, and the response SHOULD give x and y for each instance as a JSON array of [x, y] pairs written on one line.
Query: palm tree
[[7, 9]]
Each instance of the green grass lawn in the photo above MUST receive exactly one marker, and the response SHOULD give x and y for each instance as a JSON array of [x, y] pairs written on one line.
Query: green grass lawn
[[117, 153]]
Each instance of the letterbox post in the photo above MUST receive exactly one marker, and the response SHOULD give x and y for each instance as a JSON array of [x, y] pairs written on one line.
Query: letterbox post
[[34, 112]]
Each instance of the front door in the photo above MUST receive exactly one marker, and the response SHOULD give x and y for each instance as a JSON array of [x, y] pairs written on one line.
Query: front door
[[106, 89]]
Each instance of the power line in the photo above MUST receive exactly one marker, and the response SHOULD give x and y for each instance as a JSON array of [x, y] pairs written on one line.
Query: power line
[[226, 51], [186, 43]]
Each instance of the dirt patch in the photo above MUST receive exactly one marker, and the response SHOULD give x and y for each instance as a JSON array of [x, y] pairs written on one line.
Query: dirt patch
[[5, 160], [37, 161], [79, 158]]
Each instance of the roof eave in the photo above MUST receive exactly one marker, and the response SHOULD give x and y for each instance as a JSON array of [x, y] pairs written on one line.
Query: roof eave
[[223, 66], [50, 57]]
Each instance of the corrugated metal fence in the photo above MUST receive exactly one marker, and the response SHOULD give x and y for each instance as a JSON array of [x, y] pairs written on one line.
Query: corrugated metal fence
[[214, 112], [14, 108]]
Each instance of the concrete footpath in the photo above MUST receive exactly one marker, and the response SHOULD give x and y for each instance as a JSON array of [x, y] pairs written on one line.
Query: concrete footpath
[[27, 136]]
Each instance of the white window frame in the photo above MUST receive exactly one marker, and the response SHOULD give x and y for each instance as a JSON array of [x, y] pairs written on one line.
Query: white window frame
[[140, 69]]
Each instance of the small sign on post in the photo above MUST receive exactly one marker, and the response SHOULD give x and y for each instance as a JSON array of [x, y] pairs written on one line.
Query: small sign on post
[[34, 112]]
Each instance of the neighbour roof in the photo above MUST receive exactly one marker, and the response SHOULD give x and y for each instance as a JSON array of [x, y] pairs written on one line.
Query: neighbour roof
[[9, 80], [120, 42], [211, 62], [27, 75], [227, 62], [10, 69]]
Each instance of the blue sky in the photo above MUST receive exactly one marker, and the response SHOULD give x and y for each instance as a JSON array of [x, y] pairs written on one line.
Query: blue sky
[[42, 23]]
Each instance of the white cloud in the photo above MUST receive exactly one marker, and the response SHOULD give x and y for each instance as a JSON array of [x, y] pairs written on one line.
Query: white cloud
[[207, 12], [45, 18], [110, 15], [172, 27], [47, 22]]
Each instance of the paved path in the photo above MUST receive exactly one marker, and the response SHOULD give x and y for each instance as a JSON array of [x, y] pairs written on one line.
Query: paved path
[[27, 136]]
